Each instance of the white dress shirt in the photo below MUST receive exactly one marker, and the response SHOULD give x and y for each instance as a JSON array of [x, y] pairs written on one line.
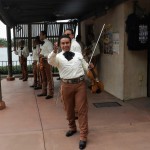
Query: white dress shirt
[[46, 48], [68, 69], [24, 52], [75, 46], [36, 53]]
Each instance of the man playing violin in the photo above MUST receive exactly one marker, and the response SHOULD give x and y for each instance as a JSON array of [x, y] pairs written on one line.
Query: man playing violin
[[71, 66], [75, 47]]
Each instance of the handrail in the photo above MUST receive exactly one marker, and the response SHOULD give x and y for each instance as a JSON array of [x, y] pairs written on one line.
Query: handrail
[[16, 69]]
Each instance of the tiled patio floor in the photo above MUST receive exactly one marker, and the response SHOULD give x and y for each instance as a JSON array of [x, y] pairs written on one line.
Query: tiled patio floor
[[33, 123]]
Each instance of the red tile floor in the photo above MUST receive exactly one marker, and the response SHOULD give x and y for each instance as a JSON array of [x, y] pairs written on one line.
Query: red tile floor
[[33, 123]]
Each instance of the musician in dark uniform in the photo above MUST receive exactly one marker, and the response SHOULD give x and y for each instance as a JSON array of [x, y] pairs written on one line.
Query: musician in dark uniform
[[71, 66]]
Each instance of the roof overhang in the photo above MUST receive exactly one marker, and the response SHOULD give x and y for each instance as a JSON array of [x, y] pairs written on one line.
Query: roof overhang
[[14, 12]]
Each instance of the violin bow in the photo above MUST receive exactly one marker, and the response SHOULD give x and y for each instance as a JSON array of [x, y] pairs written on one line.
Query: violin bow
[[96, 43]]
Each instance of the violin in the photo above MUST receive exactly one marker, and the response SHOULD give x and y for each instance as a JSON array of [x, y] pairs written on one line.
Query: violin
[[97, 86], [87, 51]]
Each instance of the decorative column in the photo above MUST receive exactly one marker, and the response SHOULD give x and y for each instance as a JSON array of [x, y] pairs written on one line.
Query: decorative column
[[2, 103], [10, 74]]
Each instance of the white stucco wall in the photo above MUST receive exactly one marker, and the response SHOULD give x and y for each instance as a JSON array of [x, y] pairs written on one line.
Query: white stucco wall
[[111, 67], [135, 73], [125, 74]]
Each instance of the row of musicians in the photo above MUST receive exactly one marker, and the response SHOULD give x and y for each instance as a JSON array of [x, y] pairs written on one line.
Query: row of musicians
[[42, 71]]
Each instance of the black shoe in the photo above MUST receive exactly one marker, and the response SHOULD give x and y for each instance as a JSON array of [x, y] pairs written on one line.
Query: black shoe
[[82, 144], [48, 97], [58, 78], [20, 78], [37, 88], [32, 86], [90, 87], [41, 94], [24, 80], [70, 133], [76, 117]]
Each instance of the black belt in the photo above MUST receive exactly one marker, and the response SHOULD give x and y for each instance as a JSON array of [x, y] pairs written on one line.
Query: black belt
[[74, 80], [44, 58]]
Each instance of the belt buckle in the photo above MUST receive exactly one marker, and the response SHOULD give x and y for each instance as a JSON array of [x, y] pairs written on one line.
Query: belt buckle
[[81, 78]]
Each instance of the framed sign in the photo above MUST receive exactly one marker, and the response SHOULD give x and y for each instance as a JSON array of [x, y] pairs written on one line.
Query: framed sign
[[116, 42]]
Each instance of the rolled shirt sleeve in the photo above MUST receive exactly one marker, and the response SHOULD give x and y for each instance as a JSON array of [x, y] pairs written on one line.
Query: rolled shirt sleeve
[[52, 59]]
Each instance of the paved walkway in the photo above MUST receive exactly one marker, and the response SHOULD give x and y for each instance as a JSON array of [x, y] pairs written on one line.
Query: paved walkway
[[33, 123]]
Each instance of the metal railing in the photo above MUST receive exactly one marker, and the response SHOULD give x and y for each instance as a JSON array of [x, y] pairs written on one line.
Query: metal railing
[[16, 69]]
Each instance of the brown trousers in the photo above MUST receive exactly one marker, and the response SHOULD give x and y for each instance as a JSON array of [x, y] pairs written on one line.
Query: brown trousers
[[34, 64], [74, 95], [23, 63], [39, 76], [47, 77]]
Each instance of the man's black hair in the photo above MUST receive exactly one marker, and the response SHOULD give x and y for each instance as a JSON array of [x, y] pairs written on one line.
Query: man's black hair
[[64, 36], [70, 30], [22, 42], [44, 33], [37, 39], [78, 38]]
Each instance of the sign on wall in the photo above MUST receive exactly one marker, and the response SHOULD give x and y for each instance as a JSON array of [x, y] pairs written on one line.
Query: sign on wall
[[110, 40], [116, 42], [107, 40]]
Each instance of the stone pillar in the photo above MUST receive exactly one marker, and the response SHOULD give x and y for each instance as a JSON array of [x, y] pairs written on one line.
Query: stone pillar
[[2, 103], [10, 75]]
